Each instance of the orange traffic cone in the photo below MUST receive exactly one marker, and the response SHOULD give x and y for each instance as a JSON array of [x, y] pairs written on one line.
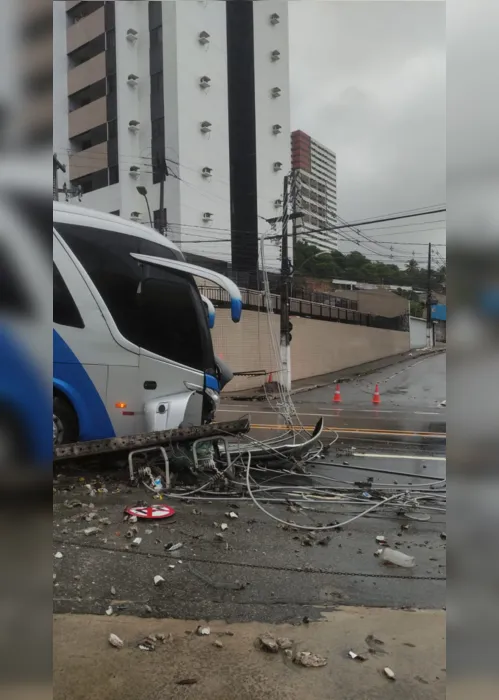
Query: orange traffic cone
[[337, 395], [376, 396]]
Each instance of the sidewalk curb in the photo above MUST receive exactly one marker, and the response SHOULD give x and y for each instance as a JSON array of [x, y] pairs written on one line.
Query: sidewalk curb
[[391, 361]]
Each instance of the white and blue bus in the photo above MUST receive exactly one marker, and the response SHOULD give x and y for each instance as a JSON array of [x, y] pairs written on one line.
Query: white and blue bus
[[131, 349], [131, 341]]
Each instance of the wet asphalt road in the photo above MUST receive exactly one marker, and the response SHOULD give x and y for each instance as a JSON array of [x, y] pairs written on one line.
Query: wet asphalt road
[[410, 412], [278, 578]]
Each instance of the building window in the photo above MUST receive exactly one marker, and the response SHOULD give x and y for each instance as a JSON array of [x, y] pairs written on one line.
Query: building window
[[110, 52], [114, 174], [83, 9], [155, 14], [305, 192], [157, 98], [157, 148], [92, 181], [156, 50], [89, 50]]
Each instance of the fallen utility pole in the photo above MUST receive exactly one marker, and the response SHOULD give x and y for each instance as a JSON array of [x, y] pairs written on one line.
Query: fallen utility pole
[[94, 448]]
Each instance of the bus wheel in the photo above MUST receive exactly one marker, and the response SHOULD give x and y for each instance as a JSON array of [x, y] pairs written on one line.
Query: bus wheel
[[64, 422]]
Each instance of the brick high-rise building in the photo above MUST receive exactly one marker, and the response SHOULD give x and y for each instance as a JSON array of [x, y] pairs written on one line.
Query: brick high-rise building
[[314, 167]]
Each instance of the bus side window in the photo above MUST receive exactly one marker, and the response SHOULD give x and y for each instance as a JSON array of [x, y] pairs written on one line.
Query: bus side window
[[65, 310], [13, 298]]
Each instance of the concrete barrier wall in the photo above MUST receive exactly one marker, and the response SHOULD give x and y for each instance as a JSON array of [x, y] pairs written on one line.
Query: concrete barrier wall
[[318, 347]]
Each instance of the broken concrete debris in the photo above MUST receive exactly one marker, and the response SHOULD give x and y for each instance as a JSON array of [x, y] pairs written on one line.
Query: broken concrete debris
[[136, 542], [268, 643], [91, 531], [170, 547], [217, 643], [309, 660], [113, 590], [109, 611], [357, 657], [224, 526], [157, 580], [148, 643], [203, 631], [232, 515], [58, 555], [389, 673], [284, 643], [115, 641], [397, 558]]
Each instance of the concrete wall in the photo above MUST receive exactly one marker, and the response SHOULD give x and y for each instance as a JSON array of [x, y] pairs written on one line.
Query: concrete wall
[[318, 347], [376, 301], [417, 331]]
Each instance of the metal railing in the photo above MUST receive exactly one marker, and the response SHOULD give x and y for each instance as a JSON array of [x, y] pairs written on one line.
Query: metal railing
[[255, 301]]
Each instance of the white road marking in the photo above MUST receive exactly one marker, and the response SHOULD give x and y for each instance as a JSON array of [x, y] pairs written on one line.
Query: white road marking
[[247, 409], [388, 456]]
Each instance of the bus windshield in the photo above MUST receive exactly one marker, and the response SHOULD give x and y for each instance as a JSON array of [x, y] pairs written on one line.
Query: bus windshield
[[157, 309]]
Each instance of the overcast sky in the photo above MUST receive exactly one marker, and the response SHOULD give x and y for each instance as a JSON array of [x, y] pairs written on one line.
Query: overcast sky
[[368, 81]]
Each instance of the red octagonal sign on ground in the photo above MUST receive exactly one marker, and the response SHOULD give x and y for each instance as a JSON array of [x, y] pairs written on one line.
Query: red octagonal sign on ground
[[150, 512]]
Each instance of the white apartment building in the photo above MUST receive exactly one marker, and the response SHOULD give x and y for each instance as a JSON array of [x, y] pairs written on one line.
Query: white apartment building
[[314, 168], [202, 86]]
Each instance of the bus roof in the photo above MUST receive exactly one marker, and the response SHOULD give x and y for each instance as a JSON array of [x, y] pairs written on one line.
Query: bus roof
[[71, 213]]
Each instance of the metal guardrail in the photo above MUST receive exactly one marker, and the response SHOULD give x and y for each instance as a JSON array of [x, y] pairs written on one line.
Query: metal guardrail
[[255, 301]]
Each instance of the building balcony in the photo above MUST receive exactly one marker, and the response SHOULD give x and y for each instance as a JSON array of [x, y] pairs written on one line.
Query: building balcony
[[89, 161], [85, 30], [87, 117], [87, 73]]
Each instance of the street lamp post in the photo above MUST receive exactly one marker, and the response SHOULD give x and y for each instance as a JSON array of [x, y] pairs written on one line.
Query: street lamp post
[[143, 191]]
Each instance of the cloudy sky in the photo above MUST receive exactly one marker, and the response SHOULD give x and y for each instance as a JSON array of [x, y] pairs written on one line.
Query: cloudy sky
[[368, 81]]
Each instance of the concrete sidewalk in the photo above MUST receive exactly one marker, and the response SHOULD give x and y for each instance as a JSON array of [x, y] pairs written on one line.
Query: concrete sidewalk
[[302, 385], [412, 644]]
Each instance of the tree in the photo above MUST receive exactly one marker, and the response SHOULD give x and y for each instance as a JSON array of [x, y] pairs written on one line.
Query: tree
[[309, 261]]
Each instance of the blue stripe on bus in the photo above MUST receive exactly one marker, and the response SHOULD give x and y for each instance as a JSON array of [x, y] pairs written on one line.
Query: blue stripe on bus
[[212, 383], [71, 378], [23, 394]]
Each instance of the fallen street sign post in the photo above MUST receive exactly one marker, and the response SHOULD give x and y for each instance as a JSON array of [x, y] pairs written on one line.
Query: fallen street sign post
[[150, 512]]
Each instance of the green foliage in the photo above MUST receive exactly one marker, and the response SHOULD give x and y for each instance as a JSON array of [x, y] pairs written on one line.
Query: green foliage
[[355, 266], [417, 309]]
